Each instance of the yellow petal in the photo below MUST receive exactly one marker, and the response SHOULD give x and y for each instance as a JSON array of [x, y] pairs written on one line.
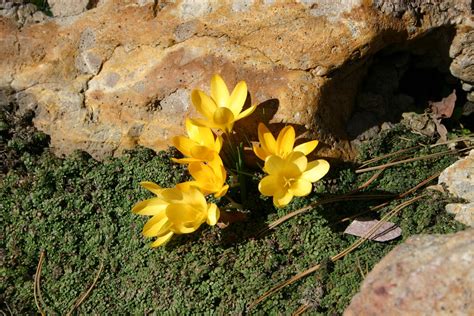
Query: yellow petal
[[316, 170], [270, 185], [153, 226], [218, 168], [151, 186], [282, 198], [201, 172], [218, 144], [203, 103], [162, 240], [237, 98], [165, 229], [299, 159], [246, 113], [306, 148], [223, 116], [195, 198], [185, 160], [213, 214], [149, 207], [260, 152], [199, 134], [285, 141], [171, 194], [184, 186], [300, 187], [202, 153], [191, 128], [274, 164], [183, 144], [184, 217], [219, 91], [204, 122], [222, 191], [267, 141]]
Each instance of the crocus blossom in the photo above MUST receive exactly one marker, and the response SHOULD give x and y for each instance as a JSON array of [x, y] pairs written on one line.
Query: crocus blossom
[[209, 177], [178, 210], [289, 177], [282, 146], [221, 109], [200, 145]]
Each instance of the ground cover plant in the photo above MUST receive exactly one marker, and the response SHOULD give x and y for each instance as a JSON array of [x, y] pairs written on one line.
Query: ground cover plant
[[76, 212]]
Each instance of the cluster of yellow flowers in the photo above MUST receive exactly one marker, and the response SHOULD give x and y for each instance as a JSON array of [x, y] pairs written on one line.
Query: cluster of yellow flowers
[[182, 209], [289, 172]]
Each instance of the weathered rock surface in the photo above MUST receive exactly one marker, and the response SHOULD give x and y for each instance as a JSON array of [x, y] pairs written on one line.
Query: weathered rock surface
[[64, 8], [462, 52], [119, 75], [21, 12], [459, 179], [464, 213], [427, 275]]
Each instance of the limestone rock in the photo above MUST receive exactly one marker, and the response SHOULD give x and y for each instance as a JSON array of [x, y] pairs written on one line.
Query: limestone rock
[[427, 275], [462, 52], [119, 74], [64, 8], [22, 12], [464, 213], [459, 178]]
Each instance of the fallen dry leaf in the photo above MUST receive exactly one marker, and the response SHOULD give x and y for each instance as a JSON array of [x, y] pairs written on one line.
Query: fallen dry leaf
[[445, 107], [387, 231]]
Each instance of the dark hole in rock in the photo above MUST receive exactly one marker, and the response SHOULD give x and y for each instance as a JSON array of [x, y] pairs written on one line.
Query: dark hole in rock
[[403, 78]]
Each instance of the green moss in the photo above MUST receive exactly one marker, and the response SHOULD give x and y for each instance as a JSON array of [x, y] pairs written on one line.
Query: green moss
[[78, 211]]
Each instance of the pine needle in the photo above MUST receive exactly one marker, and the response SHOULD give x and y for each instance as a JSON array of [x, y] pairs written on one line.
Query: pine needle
[[401, 151], [303, 308], [400, 196], [83, 296], [430, 156], [37, 285], [346, 197], [340, 255]]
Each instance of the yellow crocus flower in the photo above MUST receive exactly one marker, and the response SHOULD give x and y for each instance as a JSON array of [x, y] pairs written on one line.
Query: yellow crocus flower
[[282, 146], [199, 146], [289, 177], [208, 177], [178, 210], [221, 109]]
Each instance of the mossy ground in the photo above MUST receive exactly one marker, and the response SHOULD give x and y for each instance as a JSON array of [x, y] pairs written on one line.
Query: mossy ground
[[77, 210]]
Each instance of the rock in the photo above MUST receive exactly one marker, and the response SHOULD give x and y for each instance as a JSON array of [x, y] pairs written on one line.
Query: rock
[[118, 75], [420, 123], [470, 96], [466, 87], [22, 12], [459, 178], [464, 213], [65, 8], [426, 275], [462, 52]]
